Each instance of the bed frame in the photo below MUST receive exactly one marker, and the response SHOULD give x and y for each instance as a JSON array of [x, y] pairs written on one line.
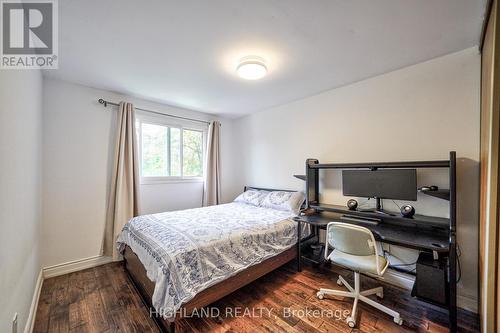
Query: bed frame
[[145, 287]]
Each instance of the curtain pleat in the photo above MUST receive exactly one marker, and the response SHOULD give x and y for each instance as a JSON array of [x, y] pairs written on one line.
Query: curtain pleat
[[123, 201], [211, 193]]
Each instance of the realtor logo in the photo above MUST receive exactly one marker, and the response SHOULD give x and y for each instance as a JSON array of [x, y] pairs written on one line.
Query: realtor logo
[[29, 34]]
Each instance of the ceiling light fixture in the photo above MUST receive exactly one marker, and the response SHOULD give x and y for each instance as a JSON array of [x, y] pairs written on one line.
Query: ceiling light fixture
[[252, 68]]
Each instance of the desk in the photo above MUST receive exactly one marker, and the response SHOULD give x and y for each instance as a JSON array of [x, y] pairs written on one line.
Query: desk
[[423, 233], [410, 236], [421, 238]]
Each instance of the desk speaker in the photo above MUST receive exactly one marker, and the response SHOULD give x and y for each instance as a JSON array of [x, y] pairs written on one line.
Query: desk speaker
[[407, 210], [352, 204]]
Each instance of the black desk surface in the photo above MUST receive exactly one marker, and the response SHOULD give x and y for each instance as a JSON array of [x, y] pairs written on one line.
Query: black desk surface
[[420, 238]]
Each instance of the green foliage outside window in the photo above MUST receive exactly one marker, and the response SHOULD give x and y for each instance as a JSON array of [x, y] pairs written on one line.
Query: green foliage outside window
[[154, 146], [192, 153], [161, 151]]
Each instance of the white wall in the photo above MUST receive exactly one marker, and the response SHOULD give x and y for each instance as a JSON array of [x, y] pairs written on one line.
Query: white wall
[[417, 113], [20, 192], [78, 136]]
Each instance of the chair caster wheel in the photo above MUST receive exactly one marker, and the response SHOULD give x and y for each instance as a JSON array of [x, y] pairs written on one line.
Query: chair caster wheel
[[319, 295], [351, 322], [398, 321], [339, 282], [380, 295]]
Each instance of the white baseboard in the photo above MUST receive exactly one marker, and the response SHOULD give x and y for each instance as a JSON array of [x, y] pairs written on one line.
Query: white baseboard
[[30, 322], [399, 279], [74, 266], [466, 302]]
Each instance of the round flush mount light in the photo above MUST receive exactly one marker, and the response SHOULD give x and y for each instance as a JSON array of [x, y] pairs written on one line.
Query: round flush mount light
[[252, 68]]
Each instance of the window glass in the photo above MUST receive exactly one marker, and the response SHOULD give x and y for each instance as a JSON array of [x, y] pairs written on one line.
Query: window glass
[[170, 151], [192, 153], [154, 147], [175, 152]]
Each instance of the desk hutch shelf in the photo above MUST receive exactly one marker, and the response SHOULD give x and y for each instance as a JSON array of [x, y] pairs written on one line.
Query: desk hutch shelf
[[421, 232]]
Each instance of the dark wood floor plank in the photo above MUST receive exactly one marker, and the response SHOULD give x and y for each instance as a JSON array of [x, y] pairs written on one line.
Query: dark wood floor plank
[[80, 329], [60, 299], [58, 322], [76, 288], [102, 300], [127, 322], [77, 314], [109, 299], [102, 277], [98, 319]]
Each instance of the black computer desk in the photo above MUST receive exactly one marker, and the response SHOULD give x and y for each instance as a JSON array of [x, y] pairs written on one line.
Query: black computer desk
[[423, 233], [406, 233], [409, 234]]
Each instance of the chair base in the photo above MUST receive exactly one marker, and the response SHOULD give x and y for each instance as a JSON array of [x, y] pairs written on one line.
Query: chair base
[[359, 295]]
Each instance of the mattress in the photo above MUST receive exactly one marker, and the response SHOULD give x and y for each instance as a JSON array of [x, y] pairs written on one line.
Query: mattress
[[187, 251]]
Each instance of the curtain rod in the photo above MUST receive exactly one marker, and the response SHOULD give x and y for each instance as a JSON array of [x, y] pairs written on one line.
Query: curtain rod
[[105, 103]]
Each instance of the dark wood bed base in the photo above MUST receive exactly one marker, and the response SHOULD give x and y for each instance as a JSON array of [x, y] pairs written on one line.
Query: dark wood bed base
[[145, 287]]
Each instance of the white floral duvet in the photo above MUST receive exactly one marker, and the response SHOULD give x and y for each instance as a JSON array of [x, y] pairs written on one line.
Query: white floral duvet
[[187, 251]]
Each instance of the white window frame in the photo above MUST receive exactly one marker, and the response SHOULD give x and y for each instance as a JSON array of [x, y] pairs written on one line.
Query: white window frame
[[143, 118]]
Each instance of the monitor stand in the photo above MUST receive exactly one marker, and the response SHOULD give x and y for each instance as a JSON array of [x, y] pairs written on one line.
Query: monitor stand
[[379, 209]]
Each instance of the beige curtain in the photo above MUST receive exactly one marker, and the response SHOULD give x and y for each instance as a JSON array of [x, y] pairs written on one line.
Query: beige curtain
[[124, 193], [211, 193]]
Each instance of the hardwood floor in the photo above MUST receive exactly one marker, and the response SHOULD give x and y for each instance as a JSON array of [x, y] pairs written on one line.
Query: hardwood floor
[[102, 299]]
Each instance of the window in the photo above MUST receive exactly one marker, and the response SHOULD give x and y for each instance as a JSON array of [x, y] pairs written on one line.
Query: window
[[169, 152], [192, 153]]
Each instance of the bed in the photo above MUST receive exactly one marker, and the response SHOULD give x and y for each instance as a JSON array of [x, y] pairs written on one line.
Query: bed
[[184, 260]]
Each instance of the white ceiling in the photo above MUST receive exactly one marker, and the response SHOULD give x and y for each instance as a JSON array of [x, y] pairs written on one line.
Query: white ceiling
[[184, 53]]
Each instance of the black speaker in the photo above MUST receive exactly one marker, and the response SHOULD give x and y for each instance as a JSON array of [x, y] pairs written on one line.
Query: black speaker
[[352, 204], [431, 283], [407, 210]]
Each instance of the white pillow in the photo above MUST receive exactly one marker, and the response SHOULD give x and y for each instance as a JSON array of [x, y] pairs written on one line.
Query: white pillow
[[252, 197], [282, 200]]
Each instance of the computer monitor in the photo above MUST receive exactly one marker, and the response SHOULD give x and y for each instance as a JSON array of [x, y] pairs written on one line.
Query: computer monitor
[[384, 184]]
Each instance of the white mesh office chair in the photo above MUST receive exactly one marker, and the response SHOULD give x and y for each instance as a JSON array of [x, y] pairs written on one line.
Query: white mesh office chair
[[355, 248]]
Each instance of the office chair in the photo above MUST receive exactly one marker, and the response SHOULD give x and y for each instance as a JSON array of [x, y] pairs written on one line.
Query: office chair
[[355, 248]]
